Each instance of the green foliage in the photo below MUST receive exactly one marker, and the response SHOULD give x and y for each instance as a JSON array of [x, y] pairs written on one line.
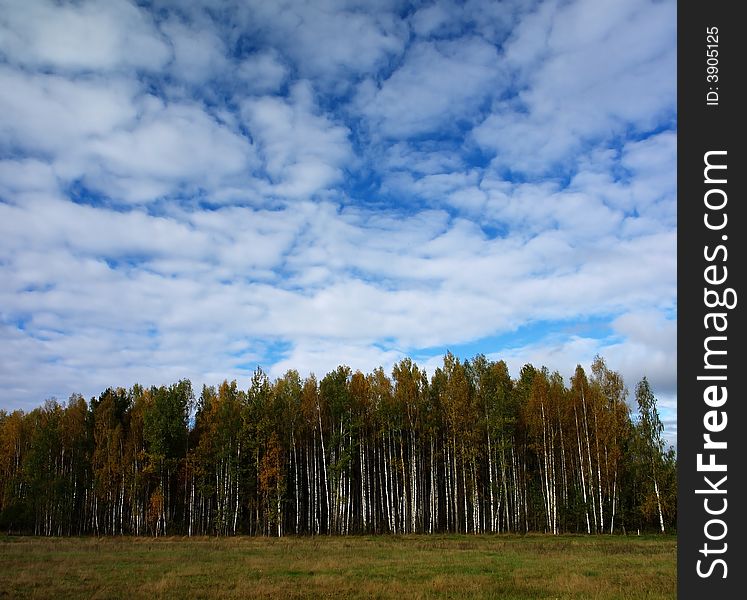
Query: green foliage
[[165, 425]]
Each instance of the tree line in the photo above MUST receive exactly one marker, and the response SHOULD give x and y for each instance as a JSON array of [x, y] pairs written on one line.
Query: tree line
[[468, 450]]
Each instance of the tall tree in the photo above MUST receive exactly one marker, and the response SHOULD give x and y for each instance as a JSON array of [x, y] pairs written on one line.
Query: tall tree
[[166, 436], [651, 444]]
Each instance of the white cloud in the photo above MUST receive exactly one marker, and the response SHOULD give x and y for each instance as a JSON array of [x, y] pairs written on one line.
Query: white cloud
[[582, 80], [302, 150], [172, 146], [22, 176], [405, 157], [329, 41], [445, 18], [438, 83], [439, 17], [263, 72], [128, 146], [51, 114], [650, 348], [91, 35], [653, 181], [199, 54]]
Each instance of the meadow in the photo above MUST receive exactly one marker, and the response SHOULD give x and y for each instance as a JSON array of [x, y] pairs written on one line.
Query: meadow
[[417, 566]]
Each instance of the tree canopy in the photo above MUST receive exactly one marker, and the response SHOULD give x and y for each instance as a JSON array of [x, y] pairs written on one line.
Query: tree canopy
[[467, 450]]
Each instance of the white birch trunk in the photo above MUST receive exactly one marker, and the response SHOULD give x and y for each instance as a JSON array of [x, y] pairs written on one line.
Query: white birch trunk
[[581, 469], [490, 481], [324, 465]]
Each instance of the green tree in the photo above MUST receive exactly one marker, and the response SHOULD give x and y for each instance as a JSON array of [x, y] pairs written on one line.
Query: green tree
[[166, 436]]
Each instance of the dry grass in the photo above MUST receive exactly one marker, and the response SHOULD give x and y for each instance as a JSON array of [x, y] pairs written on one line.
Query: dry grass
[[506, 567]]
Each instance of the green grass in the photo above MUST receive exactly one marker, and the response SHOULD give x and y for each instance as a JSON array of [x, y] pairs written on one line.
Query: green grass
[[441, 566]]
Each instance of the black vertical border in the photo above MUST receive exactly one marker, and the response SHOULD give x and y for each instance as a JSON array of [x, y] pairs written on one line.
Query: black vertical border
[[702, 128]]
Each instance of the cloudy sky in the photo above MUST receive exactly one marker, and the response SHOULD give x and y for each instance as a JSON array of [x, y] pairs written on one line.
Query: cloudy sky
[[192, 189]]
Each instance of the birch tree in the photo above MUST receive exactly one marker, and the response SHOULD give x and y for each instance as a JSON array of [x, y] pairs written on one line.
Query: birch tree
[[650, 428]]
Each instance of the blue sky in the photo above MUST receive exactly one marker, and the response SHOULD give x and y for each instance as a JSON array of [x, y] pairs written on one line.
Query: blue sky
[[190, 189]]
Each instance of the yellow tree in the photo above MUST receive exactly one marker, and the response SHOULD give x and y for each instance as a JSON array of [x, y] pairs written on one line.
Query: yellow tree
[[272, 484]]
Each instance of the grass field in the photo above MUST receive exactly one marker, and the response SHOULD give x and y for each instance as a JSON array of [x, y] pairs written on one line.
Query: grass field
[[507, 567]]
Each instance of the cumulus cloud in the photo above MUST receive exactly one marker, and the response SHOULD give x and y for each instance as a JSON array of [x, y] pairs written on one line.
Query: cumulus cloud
[[263, 72], [199, 53], [126, 144], [576, 67], [87, 36], [330, 41], [302, 151], [438, 83], [170, 146], [50, 114]]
